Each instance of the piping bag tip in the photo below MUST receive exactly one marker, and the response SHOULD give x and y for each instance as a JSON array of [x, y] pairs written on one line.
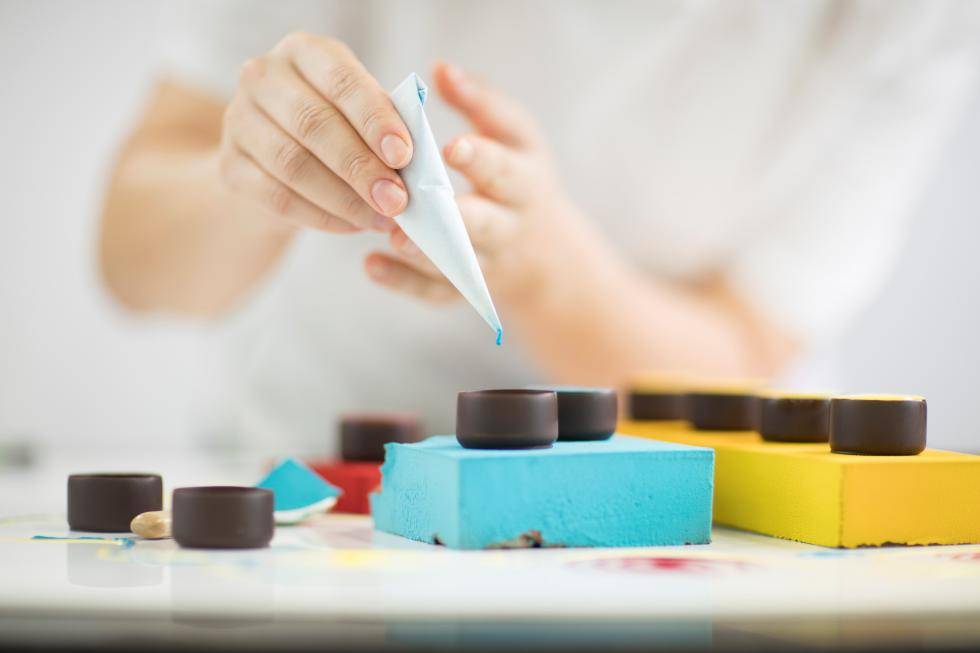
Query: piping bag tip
[[432, 219]]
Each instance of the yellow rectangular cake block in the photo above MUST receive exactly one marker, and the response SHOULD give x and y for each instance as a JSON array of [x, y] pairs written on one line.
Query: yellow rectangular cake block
[[804, 492]]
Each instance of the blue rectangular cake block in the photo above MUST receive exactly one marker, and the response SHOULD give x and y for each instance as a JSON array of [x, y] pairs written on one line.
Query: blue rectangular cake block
[[620, 492]]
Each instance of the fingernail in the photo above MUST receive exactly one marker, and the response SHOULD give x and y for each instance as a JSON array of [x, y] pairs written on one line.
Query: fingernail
[[383, 224], [409, 248], [464, 86], [454, 73], [389, 196], [396, 152], [462, 152]]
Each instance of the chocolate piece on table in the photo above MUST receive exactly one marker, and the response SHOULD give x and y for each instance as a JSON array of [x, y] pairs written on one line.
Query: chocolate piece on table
[[108, 502], [363, 437], [223, 517], [794, 417], [878, 425], [507, 419]]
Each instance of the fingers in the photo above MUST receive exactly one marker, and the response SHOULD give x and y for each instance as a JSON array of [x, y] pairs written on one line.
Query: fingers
[[335, 72], [283, 158], [243, 175], [408, 253], [494, 170], [321, 128], [490, 226], [490, 112], [392, 273]]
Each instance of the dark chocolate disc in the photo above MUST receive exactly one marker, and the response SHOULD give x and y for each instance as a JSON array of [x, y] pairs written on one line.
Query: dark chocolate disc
[[794, 417], [656, 405], [507, 419], [363, 437], [658, 397], [223, 517], [585, 413], [108, 502], [878, 425], [722, 411]]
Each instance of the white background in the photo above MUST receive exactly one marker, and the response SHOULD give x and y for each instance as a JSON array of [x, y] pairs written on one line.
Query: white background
[[75, 372]]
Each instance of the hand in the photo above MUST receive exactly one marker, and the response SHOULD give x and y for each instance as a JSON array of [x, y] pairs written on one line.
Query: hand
[[525, 230], [313, 139]]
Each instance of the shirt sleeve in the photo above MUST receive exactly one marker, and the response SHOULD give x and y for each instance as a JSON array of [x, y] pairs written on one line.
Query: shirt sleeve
[[856, 150], [205, 42]]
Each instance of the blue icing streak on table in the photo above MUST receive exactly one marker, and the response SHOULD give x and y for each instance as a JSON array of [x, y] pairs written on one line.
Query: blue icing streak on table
[[620, 492]]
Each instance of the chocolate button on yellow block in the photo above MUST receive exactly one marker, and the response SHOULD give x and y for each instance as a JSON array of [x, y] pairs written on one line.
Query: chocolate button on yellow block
[[806, 493]]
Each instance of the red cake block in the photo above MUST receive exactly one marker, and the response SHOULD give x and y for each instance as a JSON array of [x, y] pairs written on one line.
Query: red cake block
[[356, 479]]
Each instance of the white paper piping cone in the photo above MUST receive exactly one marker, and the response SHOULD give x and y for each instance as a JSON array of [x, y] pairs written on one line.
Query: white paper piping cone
[[432, 219]]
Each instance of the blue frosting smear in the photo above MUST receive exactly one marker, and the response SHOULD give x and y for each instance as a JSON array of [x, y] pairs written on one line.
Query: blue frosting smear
[[500, 336], [124, 542], [294, 485]]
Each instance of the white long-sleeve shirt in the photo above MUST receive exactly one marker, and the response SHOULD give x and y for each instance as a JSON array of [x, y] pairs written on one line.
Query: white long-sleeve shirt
[[780, 144]]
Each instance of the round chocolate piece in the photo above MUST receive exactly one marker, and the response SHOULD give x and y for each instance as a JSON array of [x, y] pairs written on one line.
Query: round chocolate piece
[[650, 406], [507, 419], [658, 397], [722, 411], [363, 437], [108, 502], [788, 417], [223, 517], [585, 413], [878, 425]]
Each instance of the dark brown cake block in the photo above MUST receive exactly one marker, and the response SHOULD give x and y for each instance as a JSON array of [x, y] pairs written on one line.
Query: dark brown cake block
[[507, 419], [108, 502], [223, 517], [878, 425], [794, 417], [363, 437]]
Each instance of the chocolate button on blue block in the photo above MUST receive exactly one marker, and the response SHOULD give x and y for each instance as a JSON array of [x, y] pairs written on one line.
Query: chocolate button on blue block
[[506, 419], [585, 413], [619, 492]]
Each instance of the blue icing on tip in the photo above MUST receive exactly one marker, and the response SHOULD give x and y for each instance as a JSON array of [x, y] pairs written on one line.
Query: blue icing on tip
[[422, 89], [500, 336], [294, 485]]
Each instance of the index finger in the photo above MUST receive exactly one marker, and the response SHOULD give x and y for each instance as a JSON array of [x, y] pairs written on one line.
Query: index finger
[[490, 111], [331, 68]]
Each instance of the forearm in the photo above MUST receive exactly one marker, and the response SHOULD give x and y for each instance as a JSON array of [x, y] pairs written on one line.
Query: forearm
[[173, 239], [599, 320]]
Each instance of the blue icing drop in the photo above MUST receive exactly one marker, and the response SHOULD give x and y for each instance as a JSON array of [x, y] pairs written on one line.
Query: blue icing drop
[[500, 336], [294, 485]]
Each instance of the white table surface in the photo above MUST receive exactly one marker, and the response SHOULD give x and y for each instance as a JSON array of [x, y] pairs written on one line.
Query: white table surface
[[337, 569]]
